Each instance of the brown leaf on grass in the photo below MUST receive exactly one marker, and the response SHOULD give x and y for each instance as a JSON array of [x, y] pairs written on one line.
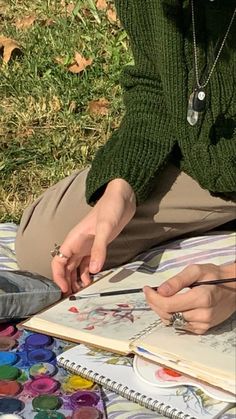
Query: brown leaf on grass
[[8, 45], [25, 22], [101, 5], [99, 107], [79, 64], [68, 7], [111, 14]]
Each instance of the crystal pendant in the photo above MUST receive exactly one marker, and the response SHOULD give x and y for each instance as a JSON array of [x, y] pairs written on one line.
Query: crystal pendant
[[192, 115], [199, 100]]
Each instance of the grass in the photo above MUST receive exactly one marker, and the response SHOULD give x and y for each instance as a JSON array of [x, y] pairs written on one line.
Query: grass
[[46, 129]]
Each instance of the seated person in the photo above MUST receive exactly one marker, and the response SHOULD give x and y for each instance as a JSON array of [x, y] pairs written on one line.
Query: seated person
[[167, 171]]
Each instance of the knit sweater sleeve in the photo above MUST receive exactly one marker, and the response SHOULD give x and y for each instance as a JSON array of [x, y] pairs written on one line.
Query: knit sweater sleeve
[[213, 165], [136, 151]]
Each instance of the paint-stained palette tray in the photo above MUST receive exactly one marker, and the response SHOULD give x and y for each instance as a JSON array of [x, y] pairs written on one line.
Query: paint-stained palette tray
[[161, 377], [32, 386]]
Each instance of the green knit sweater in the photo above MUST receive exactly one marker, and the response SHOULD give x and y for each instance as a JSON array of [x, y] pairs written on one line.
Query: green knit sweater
[[154, 129]]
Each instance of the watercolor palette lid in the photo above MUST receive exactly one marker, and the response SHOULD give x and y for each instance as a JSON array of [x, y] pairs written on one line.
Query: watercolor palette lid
[[161, 377]]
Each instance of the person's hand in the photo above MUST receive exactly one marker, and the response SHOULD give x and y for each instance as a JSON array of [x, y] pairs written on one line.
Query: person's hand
[[86, 244], [202, 307]]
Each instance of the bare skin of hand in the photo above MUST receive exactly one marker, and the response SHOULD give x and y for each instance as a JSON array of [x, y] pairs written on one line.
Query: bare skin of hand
[[86, 244], [202, 307]]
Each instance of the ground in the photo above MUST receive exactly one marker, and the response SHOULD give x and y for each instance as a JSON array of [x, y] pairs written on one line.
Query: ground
[[60, 97]]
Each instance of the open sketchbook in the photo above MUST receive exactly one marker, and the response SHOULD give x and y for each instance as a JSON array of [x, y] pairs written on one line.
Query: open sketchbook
[[116, 373], [125, 323]]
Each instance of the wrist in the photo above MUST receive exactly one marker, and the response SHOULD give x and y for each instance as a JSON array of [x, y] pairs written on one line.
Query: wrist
[[228, 271], [121, 188]]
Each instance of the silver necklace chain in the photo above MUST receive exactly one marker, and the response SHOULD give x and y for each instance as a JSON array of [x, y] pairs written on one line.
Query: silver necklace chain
[[203, 85]]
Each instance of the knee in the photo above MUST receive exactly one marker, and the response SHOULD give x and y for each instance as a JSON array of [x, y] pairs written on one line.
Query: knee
[[33, 249]]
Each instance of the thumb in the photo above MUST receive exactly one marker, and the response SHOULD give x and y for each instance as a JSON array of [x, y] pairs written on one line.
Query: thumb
[[178, 282], [98, 254], [168, 288]]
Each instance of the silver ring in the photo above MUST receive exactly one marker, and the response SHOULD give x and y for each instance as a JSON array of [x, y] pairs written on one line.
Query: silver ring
[[178, 321], [56, 252]]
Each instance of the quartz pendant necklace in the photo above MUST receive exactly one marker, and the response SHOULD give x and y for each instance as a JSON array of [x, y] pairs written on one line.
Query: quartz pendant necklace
[[196, 104], [197, 99]]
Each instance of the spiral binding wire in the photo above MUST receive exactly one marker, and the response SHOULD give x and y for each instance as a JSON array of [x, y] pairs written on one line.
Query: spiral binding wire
[[124, 391], [145, 331]]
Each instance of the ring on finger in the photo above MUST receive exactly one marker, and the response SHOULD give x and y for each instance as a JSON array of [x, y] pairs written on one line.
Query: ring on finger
[[56, 252], [178, 321]]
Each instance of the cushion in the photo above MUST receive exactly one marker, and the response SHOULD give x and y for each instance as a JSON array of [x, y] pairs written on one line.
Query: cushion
[[23, 294]]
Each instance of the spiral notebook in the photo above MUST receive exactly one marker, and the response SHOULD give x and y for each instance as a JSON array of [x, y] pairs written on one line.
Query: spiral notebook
[[116, 373]]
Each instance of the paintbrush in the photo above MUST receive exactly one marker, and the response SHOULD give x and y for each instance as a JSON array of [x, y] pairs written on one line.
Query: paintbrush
[[137, 290]]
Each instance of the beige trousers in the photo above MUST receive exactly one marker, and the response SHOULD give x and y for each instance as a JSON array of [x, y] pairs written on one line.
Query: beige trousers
[[177, 206]]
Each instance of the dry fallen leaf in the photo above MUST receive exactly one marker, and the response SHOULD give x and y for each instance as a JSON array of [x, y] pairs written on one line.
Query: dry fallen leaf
[[101, 5], [69, 7], [99, 107], [111, 14], [25, 22], [8, 45], [79, 64]]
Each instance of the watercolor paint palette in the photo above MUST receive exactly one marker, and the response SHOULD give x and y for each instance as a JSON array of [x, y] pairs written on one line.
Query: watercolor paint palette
[[32, 386], [161, 377]]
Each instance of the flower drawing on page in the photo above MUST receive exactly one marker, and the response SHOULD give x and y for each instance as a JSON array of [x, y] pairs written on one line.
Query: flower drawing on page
[[111, 314]]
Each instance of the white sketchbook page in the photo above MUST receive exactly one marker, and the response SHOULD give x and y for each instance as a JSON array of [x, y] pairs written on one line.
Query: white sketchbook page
[[108, 322], [210, 357], [119, 369]]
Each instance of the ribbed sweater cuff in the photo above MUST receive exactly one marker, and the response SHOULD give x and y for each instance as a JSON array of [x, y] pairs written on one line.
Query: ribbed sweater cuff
[[213, 166], [135, 153]]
